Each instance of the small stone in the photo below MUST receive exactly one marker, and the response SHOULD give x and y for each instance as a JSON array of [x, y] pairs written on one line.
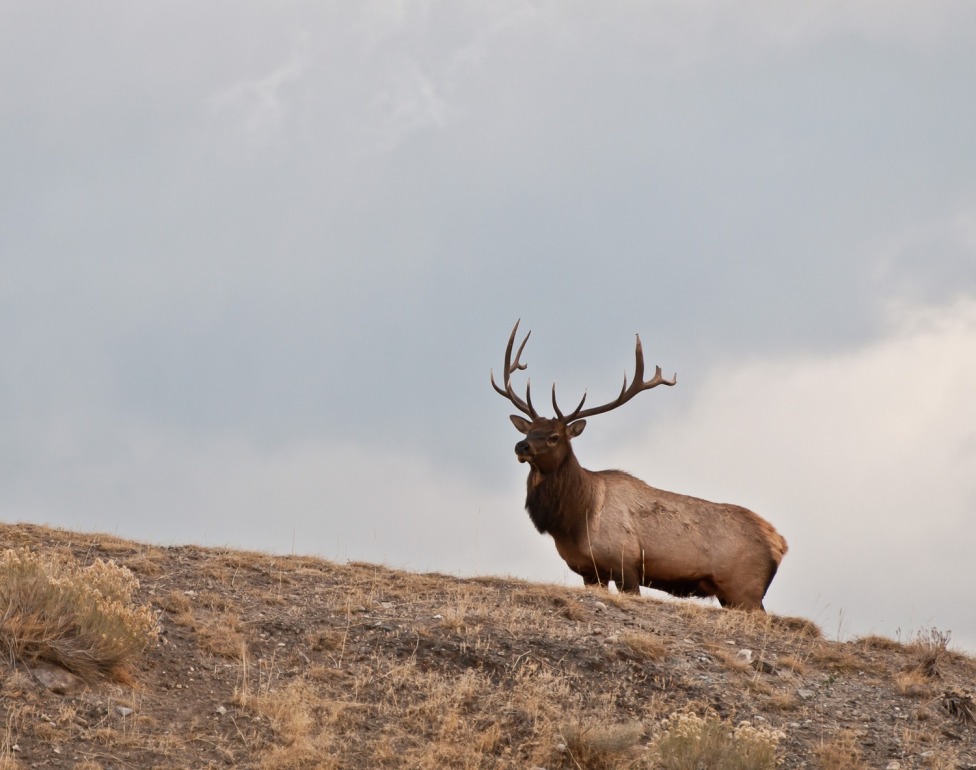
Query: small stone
[[124, 711], [893, 765], [221, 710], [744, 656], [805, 693], [438, 616], [386, 605], [599, 606]]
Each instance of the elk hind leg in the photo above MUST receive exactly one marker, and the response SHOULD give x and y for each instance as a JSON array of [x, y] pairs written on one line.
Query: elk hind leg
[[736, 597]]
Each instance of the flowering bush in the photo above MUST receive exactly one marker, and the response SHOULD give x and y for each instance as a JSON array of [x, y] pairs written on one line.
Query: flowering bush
[[79, 617], [690, 742]]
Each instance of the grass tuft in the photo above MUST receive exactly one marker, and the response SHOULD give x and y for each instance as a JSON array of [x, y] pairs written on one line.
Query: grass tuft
[[600, 747], [931, 652], [841, 753]]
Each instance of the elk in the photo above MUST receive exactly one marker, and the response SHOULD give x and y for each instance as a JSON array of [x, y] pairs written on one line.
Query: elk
[[610, 526]]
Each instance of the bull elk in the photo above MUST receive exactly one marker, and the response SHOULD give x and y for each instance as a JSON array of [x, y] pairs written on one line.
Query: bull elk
[[611, 526]]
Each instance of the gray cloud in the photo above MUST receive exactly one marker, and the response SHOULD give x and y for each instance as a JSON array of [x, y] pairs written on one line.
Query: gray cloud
[[271, 239]]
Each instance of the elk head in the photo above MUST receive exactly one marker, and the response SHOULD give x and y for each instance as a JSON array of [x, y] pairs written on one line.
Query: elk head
[[546, 444]]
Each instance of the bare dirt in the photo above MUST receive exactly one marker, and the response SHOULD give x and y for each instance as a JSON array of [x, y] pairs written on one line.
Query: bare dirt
[[284, 661]]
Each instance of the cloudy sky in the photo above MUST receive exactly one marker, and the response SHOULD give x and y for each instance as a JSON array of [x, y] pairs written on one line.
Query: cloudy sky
[[257, 259]]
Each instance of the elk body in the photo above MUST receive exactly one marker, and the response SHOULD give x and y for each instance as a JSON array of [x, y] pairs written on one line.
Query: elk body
[[611, 526]]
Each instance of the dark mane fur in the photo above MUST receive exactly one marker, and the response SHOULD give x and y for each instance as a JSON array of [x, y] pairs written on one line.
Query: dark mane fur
[[559, 502]]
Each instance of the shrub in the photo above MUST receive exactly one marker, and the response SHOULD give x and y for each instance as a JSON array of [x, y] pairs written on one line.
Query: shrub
[[81, 618], [690, 742]]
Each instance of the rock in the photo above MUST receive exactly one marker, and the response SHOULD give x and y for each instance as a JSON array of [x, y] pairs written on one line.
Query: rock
[[893, 765], [124, 711], [744, 656], [805, 693], [58, 680], [221, 710], [599, 606]]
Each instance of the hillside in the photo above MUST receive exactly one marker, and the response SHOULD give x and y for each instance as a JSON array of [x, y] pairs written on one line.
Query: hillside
[[291, 662]]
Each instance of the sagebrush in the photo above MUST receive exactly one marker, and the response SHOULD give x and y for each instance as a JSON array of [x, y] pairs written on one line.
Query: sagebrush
[[690, 742], [79, 617]]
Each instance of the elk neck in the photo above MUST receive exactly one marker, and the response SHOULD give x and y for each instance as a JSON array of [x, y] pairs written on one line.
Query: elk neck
[[559, 502]]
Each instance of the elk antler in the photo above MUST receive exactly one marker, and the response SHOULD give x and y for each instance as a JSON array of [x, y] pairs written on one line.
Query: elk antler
[[627, 392], [510, 367]]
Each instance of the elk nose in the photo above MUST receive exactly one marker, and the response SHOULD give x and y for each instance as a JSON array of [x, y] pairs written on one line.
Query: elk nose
[[522, 448]]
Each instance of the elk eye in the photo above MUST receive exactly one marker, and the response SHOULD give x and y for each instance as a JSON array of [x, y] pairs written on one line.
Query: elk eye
[[553, 439]]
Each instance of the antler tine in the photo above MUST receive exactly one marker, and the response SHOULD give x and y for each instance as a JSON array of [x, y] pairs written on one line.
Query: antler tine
[[528, 398], [555, 406], [510, 368], [627, 392]]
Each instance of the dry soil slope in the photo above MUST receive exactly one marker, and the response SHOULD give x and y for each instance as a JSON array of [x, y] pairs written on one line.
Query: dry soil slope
[[286, 661]]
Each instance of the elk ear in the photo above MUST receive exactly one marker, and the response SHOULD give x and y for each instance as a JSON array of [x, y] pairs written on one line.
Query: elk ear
[[521, 424], [575, 428]]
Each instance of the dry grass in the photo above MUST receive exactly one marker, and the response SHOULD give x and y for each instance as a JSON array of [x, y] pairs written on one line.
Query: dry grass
[[647, 645], [843, 658], [913, 683], [81, 618], [599, 746], [841, 753], [875, 642], [960, 706], [930, 652]]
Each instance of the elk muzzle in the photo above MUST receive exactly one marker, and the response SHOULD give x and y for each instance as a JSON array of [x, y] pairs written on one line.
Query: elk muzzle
[[523, 451]]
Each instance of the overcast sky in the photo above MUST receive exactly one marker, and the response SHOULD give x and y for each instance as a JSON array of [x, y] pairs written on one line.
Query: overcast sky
[[258, 259]]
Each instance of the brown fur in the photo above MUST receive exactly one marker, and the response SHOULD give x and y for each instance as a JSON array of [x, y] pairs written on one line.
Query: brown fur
[[611, 526]]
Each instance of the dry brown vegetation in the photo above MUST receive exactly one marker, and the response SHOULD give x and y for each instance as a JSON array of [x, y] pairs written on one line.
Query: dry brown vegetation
[[292, 662]]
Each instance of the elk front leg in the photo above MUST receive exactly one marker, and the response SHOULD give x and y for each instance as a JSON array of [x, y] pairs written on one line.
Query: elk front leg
[[591, 576], [628, 582]]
